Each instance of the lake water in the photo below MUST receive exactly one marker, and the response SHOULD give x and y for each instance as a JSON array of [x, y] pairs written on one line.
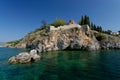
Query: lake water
[[63, 65]]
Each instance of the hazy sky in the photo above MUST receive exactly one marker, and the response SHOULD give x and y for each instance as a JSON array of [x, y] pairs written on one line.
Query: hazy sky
[[18, 17]]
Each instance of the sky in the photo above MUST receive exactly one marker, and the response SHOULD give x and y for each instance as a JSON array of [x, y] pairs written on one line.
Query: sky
[[19, 17]]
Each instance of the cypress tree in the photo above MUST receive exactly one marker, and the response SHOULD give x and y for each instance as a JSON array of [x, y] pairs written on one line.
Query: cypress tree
[[94, 27], [91, 26], [81, 21], [84, 20]]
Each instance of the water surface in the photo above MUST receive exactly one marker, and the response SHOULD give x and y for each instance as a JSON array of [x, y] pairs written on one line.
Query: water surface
[[63, 65]]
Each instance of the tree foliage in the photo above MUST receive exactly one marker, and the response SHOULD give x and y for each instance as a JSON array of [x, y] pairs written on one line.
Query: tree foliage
[[84, 20], [119, 32], [59, 22]]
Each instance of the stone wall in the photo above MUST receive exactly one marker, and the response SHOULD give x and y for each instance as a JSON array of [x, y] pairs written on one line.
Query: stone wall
[[65, 27]]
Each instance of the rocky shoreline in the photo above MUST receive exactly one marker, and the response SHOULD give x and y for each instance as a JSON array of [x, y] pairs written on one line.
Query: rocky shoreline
[[77, 37]]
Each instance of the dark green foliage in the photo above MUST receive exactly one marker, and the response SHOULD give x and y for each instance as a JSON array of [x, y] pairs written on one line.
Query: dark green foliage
[[100, 36], [84, 20], [59, 22], [81, 21], [96, 28], [91, 26], [119, 32], [108, 31], [99, 29], [42, 28]]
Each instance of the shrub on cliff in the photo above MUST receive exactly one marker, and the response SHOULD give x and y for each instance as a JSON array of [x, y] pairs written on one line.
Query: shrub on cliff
[[100, 36], [59, 22]]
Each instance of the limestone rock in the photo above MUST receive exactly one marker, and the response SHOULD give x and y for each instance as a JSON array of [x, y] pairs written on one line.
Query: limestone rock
[[33, 52], [25, 57], [12, 60], [36, 57], [71, 36]]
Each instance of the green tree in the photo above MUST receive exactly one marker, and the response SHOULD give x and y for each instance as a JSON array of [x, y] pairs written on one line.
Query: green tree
[[59, 22], [84, 20], [92, 26], [81, 21], [44, 24], [108, 31], [99, 29], [119, 32]]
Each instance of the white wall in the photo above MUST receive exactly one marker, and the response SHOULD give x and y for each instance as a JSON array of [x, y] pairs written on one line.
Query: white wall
[[65, 27]]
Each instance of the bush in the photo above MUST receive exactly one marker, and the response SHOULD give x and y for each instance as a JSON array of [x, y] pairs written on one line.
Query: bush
[[59, 22], [100, 36]]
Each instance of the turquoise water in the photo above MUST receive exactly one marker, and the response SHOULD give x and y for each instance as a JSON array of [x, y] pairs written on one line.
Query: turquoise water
[[63, 65]]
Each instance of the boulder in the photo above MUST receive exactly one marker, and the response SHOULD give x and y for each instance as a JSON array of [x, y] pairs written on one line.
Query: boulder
[[12, 60], [36, 57], [25, 57], [33, 52]]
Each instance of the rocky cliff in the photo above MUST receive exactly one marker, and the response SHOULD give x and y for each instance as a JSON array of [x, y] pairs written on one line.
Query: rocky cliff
[[110, 42], [73, 37]]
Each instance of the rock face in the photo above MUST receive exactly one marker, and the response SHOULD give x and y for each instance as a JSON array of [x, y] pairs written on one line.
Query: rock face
[[111, 42], [76, 37], [25, 57], [72, 36]]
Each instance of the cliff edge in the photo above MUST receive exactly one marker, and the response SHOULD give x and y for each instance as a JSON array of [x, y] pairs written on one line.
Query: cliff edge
[[71, 37]]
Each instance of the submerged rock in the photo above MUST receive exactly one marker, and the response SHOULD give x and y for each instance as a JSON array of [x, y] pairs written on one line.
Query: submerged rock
[[25, 57]]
